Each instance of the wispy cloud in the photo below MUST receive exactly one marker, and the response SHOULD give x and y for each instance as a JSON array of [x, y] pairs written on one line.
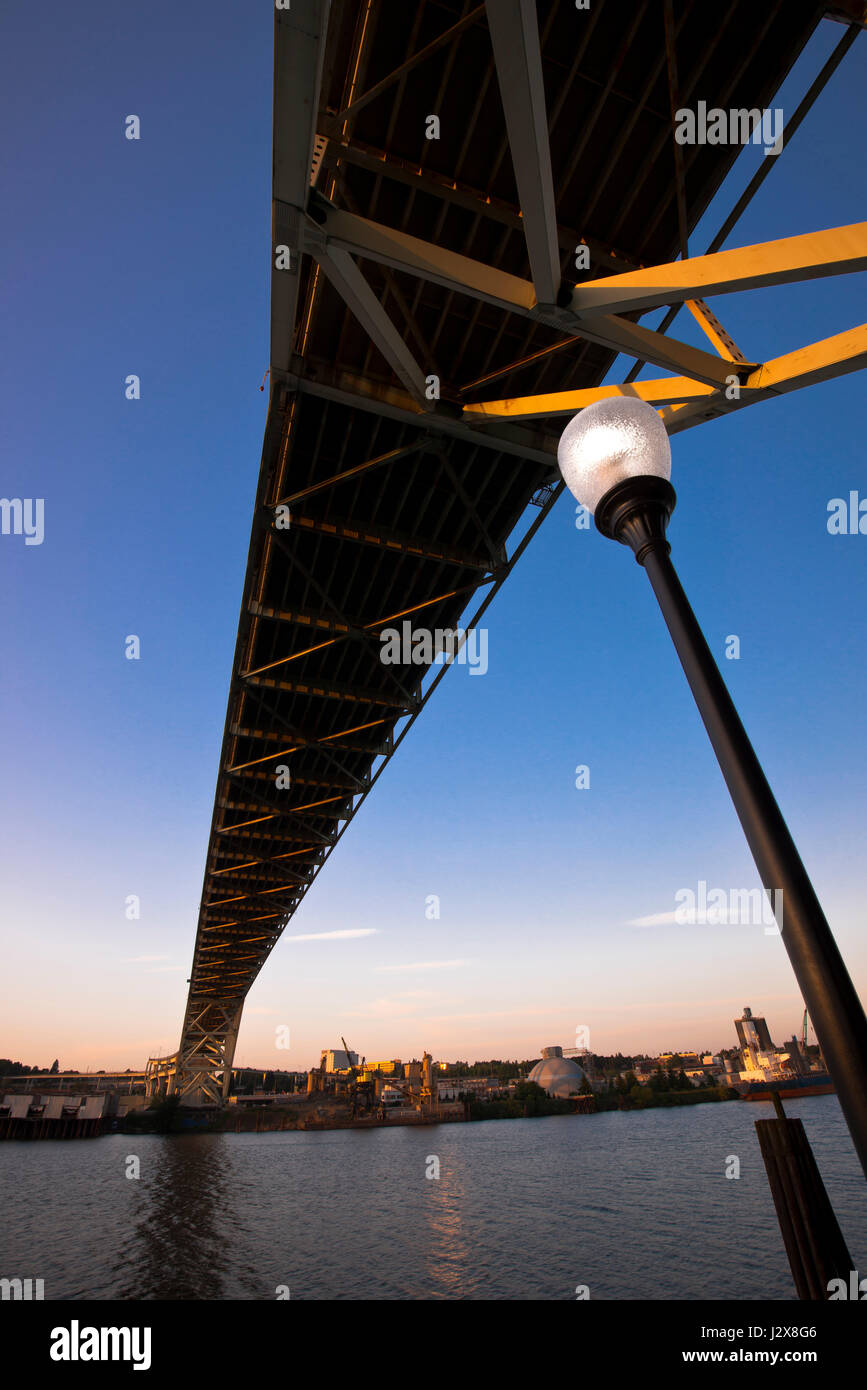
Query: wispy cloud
[[656, 919], [661, 1006], [394, 1007], [543, 1012], [724, 915], [428, 965], [347, 935]]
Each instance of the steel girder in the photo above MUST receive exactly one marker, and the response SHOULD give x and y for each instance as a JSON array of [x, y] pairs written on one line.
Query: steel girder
[[204, 1059], [319, 246], [593, 310], [689, 402], [514, 30], [210, 1028]]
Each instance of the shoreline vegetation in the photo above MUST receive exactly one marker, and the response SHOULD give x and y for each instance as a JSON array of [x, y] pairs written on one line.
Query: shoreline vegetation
[[528, 1101], [616, 1087]]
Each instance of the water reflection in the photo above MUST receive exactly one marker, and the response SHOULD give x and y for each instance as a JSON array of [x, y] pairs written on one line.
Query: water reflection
[[448, 1252], [176, 1249]]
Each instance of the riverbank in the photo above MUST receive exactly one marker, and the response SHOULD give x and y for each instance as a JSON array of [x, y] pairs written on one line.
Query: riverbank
[[317, 1112], [320, 1112], [530, 1102]]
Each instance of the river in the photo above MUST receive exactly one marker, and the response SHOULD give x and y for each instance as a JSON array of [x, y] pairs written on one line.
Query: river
[[634, 1205]]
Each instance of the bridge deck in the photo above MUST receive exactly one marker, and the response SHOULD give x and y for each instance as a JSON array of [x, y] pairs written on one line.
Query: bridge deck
[[399, 506]]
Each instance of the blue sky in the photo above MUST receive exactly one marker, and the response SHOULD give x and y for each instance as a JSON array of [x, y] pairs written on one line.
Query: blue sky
[[151, 257]]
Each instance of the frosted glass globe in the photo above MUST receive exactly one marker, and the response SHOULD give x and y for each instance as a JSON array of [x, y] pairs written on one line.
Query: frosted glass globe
[[609, 442]]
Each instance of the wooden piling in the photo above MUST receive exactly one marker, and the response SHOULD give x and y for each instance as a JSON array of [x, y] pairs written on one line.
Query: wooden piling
[[814, 1242]]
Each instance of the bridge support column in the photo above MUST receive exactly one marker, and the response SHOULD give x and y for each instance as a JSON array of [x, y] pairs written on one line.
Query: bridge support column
[[159, 1076], [204, 1059]]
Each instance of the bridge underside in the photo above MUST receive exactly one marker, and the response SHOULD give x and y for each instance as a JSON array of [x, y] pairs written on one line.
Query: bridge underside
[[415, 279]]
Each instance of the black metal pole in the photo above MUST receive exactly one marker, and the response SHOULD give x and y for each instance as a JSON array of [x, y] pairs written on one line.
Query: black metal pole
[[636, 512], [831, 1000]]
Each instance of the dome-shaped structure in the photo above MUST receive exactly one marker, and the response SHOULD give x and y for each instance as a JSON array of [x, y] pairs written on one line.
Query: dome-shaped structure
[[556, 1074]]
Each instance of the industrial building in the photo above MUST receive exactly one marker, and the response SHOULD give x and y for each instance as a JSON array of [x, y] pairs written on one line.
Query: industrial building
[[753, 1032], [40, 1115], [375, 1087], [338, 1059], [760, 1062], [482, 1087], [559, 1076]]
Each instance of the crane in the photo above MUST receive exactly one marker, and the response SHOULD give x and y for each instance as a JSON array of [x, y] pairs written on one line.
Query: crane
[[348, 1056], [359, 1091]]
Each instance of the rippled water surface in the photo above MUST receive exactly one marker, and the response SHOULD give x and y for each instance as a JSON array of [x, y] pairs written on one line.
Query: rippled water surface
[[634, 1204]]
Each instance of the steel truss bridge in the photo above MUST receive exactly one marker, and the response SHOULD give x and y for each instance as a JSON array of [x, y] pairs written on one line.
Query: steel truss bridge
[[436, 304]]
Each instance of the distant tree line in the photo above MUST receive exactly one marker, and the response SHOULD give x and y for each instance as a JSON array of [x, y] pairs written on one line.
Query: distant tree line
[[669, 1086], [503, 1071], [601, 1065], [527, 1099], [10, 1068]]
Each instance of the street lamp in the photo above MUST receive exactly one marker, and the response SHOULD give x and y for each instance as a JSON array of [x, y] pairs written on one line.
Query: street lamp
[[616, 460]]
